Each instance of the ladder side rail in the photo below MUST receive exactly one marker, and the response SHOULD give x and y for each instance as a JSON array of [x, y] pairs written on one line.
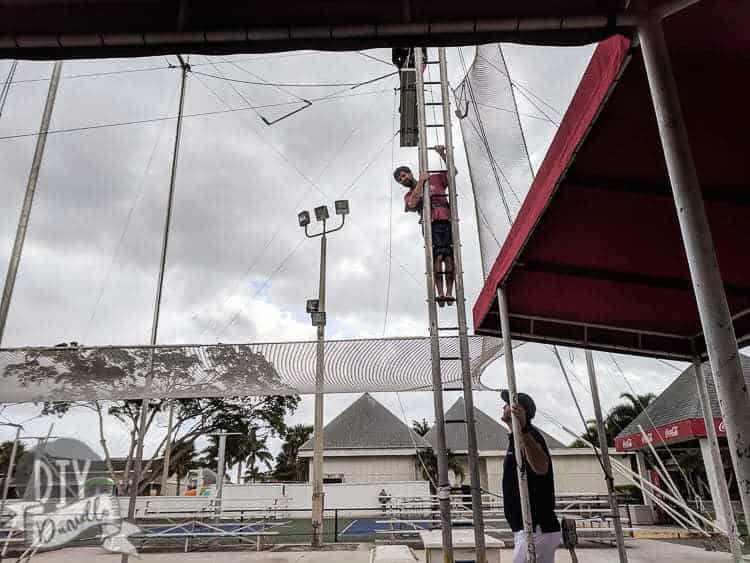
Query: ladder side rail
[[463, 341], [441, 454]]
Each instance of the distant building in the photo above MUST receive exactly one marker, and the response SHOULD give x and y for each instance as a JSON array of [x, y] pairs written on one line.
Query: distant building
[[63, 456], [675, 420], [368, 443]]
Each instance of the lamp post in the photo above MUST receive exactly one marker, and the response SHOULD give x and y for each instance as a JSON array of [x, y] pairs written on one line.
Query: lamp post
[[317, 310]]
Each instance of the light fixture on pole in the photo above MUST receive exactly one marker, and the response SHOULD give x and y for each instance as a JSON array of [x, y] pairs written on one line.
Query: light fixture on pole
[[317, 310]]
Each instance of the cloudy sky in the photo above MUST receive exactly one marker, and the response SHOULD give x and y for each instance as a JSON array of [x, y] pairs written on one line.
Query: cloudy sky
[[239, 268]]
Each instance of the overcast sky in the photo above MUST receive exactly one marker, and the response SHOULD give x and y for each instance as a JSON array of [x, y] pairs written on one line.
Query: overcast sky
[[239, 268]]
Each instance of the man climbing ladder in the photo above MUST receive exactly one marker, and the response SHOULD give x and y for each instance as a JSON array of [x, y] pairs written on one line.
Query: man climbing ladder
[[442, 240], [443, 274]]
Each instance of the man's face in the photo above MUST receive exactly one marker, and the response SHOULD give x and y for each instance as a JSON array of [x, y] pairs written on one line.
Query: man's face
[[406, 178]]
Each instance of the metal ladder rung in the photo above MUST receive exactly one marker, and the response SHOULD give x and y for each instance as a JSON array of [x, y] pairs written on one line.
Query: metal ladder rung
[[435, 125], [431, 82], [448, 328], [433, 103], [449, 358]]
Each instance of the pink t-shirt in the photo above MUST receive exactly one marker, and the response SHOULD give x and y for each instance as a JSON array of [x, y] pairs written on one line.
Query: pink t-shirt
[[438, 198]]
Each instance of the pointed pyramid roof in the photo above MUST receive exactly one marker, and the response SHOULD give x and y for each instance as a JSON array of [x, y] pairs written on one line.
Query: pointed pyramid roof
[[491, 435], [367, 424]]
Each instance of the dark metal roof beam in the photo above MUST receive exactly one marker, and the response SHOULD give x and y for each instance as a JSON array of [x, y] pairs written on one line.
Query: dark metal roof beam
[[663, 282]]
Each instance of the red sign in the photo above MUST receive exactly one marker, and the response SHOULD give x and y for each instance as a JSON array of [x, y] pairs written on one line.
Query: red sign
[[681, 431]]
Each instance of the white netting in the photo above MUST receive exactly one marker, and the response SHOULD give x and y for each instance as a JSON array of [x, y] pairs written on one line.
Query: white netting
[[495, 148], [352, 366]]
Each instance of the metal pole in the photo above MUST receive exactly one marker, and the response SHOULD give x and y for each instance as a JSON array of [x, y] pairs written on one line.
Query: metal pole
[[444, 486], [167, 451], [606, 465], [143, 418], [724, 502], [318, 499], [220, 467], [23, 220], [716, 319], [11, 467], [523, 484], [463, 341]]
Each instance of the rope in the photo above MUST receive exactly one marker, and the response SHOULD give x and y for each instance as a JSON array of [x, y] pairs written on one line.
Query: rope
[[389, 252], [298, 84], [6, 85]]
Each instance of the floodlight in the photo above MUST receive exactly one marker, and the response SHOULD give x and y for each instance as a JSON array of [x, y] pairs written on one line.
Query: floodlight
[[304, 218], [342, 207], [321, 213], [318, 318], [313, 305]]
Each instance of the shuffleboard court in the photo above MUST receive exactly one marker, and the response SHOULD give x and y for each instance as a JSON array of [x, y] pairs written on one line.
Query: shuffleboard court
[[370, 526]]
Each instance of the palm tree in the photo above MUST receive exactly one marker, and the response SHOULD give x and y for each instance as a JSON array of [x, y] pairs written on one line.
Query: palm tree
[[183, 463], [617, 419], [256, 452], [421, 427], [289, 466], [427, 462]]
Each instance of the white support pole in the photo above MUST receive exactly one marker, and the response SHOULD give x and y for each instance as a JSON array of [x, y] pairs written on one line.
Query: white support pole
[[23, 219], [220, 469], [715, 467], [143, 415], [441, 452], [523, 484], [716, 319], [606, 465], [318, 495], [468, 393], [640, 460], [167, 452]]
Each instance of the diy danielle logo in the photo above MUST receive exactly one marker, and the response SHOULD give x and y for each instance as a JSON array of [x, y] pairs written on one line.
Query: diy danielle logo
[[50, 525]]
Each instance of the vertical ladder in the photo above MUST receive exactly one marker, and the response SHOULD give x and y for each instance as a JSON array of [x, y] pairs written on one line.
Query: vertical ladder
[[473, 454]]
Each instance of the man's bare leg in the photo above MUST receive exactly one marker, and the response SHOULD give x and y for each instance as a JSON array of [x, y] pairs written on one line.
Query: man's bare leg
[[439, 277], [450, 276]]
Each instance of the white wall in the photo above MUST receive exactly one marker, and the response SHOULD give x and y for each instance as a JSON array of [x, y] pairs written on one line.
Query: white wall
[[574, 472], [372, 469]]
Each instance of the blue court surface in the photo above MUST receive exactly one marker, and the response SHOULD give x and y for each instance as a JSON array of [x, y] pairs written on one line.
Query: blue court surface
[[368, 526]]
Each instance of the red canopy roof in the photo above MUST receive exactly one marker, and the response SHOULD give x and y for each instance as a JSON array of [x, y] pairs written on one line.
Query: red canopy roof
[[107, 28], [595, 257]]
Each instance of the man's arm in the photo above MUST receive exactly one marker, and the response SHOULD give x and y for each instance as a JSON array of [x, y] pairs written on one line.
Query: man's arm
[[414, 198], [535, 455], [533, 451]]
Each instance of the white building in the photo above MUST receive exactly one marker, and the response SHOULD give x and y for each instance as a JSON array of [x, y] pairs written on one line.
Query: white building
[[368, 444]]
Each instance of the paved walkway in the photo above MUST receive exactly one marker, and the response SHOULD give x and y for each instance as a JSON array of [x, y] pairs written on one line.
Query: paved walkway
[[642, 551]]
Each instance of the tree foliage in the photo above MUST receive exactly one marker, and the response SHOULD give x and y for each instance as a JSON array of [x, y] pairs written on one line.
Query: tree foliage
[[289, 466], [616, 420], [193, 418], [421, 427], [427, 465]]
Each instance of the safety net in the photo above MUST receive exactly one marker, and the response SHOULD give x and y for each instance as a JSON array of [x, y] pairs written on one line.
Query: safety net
[[496, 151], [351, 366]]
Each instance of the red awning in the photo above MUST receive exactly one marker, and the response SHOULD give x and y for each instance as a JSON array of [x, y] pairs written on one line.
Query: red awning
[[109, 28], [595, 257], [675, 433]]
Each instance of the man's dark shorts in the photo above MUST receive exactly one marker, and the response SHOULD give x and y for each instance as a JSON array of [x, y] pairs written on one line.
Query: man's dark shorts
[[442, 239]]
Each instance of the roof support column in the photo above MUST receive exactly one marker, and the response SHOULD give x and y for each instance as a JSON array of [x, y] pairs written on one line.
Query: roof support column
[[510, 370], [715, 467], [716, 320], [606, 464]]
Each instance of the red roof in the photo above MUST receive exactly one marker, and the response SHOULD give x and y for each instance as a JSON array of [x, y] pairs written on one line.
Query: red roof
[[595, 256]]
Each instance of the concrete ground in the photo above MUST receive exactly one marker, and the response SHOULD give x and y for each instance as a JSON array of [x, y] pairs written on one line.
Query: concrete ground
[[641, 551]]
